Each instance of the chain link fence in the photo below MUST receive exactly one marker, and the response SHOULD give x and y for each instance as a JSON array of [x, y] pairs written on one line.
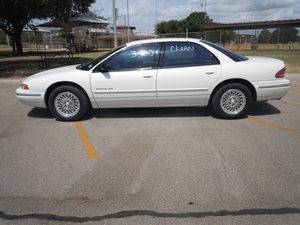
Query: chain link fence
[[237, 41], [105, 41]]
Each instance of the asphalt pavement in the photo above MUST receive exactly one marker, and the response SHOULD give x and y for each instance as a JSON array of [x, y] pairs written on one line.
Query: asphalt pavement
[[150, 166]]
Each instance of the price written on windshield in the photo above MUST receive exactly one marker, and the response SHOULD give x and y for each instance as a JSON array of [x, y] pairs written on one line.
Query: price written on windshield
[[142, 53]]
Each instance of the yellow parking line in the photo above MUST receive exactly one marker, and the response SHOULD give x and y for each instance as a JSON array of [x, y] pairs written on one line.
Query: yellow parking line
[[89, 147], [295, 90], [290, 132]]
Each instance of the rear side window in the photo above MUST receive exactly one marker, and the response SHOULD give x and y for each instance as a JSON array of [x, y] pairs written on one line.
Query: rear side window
[[185, 54], [233, 55], [137, 57]]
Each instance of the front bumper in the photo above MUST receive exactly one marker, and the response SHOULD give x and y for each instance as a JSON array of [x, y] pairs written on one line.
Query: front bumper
[[271, 90], [31, 98]]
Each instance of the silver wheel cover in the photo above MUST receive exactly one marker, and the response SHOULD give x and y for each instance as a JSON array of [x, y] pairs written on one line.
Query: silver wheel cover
[[233, 101], [67, 104]]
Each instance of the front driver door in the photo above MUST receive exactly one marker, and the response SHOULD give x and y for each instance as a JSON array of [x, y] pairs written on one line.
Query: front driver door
[[130, 79]]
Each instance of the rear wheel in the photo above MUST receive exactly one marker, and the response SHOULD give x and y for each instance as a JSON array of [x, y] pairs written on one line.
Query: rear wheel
[[68, 103], [231, 101]]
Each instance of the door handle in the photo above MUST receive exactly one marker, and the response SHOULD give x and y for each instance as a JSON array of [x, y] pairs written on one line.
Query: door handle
[[209, 72], [147, 76]]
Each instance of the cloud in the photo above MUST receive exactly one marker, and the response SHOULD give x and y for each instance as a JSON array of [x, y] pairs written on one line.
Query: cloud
[[142, 12]]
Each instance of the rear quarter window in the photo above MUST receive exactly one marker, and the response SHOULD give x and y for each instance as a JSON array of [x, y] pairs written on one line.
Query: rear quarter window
[[231, 54]]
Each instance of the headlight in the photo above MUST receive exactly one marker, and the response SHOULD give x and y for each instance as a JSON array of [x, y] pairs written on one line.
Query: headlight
[[24, 86]]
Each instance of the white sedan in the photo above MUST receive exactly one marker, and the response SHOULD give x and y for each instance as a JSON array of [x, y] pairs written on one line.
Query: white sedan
[[158, 73]]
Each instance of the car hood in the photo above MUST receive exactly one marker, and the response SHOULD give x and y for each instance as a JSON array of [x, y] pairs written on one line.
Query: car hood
[[51, 72]]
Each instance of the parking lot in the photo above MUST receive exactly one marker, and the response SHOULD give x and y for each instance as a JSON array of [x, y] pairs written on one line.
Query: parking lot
[[150, 166]]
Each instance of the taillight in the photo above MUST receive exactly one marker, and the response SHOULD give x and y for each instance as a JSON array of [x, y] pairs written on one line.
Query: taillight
[[280, 73], [24, 86]]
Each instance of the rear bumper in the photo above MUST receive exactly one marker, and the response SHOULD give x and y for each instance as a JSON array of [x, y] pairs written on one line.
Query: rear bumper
[[31, 98], [271, 90]]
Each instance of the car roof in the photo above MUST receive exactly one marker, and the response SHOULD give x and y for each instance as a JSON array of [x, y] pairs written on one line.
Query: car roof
[[155, 40]]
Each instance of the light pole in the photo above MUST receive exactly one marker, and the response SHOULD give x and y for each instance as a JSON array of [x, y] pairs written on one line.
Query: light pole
[[114, 23], [155, 17], [128, 30]]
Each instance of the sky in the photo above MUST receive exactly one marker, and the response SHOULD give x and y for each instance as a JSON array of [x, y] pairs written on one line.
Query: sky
[[142, 12]]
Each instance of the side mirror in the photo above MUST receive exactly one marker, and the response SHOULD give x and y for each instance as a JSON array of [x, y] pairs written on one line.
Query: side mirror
[[102, 69]]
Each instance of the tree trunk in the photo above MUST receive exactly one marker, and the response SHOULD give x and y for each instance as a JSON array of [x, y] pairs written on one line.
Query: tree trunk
[[18, 41], [14, 30], [13, 44]]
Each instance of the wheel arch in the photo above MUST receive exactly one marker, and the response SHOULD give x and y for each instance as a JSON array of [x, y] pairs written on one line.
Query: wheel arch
[[61, 83], [247, 83]]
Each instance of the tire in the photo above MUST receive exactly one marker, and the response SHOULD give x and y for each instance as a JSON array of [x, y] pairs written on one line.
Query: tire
[[68, 103], [231, 101]]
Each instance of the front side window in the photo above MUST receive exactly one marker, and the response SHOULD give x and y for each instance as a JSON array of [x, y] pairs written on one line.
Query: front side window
[[181, 54], [89, 65], [137, 57]]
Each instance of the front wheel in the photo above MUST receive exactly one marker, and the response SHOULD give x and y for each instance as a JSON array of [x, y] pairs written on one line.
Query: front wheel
[[231, 101], [68, 103]]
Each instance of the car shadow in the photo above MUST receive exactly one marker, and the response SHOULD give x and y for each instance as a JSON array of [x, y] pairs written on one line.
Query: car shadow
[[258, 108], [263, 108], [152, 112], [40, 113]]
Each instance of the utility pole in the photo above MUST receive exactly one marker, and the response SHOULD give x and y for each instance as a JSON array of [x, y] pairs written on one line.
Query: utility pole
[[155, 17], [128, 30], [278, 37], [114, 23]]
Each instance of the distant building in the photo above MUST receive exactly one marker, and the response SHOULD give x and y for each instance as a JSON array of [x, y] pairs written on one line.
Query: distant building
[[123, 29], [93, 32]]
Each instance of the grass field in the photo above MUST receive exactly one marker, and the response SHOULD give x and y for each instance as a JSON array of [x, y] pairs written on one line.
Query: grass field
[[22, 66]]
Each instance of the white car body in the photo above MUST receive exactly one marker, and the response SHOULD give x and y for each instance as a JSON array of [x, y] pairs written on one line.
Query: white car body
[[160, 87]]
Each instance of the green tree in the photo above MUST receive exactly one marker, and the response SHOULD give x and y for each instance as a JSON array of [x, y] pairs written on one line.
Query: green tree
[[171, 26], [286, 35], [17, 14], [264, 37], [194, 22]]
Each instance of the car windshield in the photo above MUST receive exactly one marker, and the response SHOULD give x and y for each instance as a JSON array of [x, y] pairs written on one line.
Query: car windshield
[[89, 65], [233, 55]]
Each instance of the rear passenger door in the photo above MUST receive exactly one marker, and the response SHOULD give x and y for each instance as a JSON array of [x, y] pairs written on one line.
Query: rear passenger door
[[186, 72]]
